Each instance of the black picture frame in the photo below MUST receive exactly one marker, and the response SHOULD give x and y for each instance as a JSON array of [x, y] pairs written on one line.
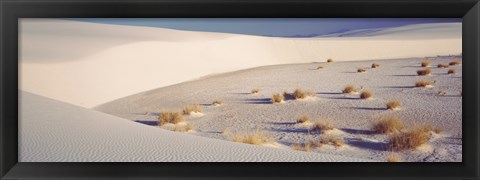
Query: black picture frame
[[11, 10]]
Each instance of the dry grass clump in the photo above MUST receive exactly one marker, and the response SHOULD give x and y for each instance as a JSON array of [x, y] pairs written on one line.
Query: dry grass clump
[[255, 91], [366, 94], [303, 119], [408, 140], [301, 94], [456, 62], [332, 140], [422, 83], [183, 128], [195, 108], [442, 65], [425, 62], [169, 117], [361, 70], [393, 104], [256, 138], [393, 158], [320, 67], [329, 60], [452, 71], [429, 128], [424, 72], [322, 126], [387, 124], [217, 102], [307, 147], [349, 89], [375, 65], [277, 98]]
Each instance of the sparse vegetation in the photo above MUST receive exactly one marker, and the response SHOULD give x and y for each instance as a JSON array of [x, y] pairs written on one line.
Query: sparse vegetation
[[452, 71], [387, 124], [303, 119], [255, 91], [361, 70], [442, 65], [307, 147], [454, 63], [393, 158], [393, 104], [329, 60], [301, 94], [189, 109], [321, 126], [277, 98], [366, 94], [424, 72], [217, 102], [425, 62], [422, 83], [256, 138], [332, 140], [169, 117], [349, 89], [408, 140], [183, 128], [375, 65]]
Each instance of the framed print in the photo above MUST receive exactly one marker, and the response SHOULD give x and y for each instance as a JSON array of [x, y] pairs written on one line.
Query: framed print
[[228, 89]]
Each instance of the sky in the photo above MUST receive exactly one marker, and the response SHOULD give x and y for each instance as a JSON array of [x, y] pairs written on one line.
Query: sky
[[277, 27]]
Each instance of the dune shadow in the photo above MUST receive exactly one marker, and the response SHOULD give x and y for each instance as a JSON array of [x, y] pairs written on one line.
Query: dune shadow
[[398, 87], [358, 131], [282, 123], [377, 146], [150, 123], [329, 93], [302, 131], [154, 114], [259, 101], [367, 108]]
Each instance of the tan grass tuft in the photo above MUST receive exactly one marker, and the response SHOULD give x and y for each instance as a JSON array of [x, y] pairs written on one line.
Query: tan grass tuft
[[301, 94], [456, 62], [255, 91], [217, 102], [409, 140], [332, 140], [393, 158], [321, 126], [303, 119], [387, 124], [307, 147], [277, 98], [375, 65], [425, 62], [452, 71], [256, 138], [393, 104], [361, 70], [195, 108], [366, 94], [422, 83], [424, 72], [169, 117], [349, 89]]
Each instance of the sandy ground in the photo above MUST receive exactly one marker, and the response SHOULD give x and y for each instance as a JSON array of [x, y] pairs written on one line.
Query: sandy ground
[[53, 131], [245, 112], [88, 64]]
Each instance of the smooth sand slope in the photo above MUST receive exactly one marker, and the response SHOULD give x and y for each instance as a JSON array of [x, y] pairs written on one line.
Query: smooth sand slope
[[52, 131], [88, 64], [439, 106]]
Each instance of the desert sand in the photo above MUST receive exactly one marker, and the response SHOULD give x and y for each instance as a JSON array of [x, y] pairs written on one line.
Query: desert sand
[[93, 92]]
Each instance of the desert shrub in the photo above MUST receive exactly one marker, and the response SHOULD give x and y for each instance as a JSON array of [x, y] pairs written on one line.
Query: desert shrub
[[303, 119], [321, 126], [332, 140], [195, 108], [307, 147], [387, 124], [393, 104], [424, 72], [425, 62], [349, 89], [361, 70], [255, 91], [408, 140], [453, 63], [375, 65], [256, 138], [277, 98], [329, 60], [393, 158], [422, 83], [366, 94], [169, 117], [452, 71], [217, 102], [442, 65], [301, 94]]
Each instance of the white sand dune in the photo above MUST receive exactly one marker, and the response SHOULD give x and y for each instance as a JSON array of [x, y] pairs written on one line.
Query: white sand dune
[[52, 131], [88, 64], [244, 112]]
